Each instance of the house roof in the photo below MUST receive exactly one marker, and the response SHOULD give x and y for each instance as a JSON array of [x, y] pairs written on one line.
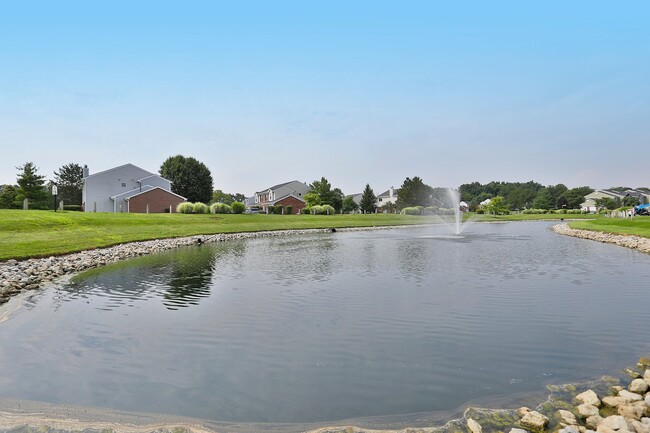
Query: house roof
[[288, 195], [117, 168], [387, 193], [151, 189], [280, 185]]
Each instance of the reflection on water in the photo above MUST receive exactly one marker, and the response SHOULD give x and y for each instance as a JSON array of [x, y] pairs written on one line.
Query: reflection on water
[[330, 326]]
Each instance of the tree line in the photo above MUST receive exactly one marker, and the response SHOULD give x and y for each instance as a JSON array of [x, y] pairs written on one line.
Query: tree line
[[192, 179]]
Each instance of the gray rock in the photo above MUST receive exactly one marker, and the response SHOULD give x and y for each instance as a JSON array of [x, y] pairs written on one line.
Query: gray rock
[[473, 426], [588, 397], [646, 376], [518, 430], [534, 420], [639, 427], [639, 386], [570, 429], [602, 428]]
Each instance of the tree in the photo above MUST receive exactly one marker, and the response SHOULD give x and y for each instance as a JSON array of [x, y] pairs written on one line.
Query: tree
[[497, 206], [312, 199], [630, 201], [326, 195], [368, 200], [606, 203], [349, 204], [543, 200], [414, 192], [8, 197], [69, 180], [31, 186], [219, 196], [573, 198], [190, 178]]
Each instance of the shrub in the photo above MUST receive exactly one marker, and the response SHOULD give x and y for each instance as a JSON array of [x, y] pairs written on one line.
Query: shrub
[[185, 207], [305, 210], [73, 207], [415, 210], [288, 210], [220, 208], [270, 210], [480, 211], [199, 207], [317, 209], [328, 210], [277, 209], [238, 207]]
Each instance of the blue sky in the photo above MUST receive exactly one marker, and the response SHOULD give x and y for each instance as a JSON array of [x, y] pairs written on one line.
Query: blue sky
[[359, 92]]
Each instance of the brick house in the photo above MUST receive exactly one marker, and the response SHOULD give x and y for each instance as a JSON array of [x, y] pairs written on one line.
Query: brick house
[[284, 194]]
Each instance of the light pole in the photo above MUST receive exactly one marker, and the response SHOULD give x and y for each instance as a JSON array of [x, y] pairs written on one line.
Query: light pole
[[54, 193]]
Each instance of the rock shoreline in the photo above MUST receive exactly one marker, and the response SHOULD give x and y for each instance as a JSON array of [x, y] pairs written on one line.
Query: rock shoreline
[[19, 275], [629, 241]]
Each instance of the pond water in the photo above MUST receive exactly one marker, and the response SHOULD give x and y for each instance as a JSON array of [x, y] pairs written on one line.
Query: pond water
[[331, 326]]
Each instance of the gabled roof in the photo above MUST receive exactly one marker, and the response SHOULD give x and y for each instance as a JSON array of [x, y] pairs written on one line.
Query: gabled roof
[[387, 193], [280, 185], [117, 168], [132, 192], [151, 189], [288, 195]]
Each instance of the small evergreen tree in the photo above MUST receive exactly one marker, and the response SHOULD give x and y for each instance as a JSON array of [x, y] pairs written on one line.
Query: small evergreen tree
[[31, 186], [368, 200], [69, 180], [349, 204], [8, 197]]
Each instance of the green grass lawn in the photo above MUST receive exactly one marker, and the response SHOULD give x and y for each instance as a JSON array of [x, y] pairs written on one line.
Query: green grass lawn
[[26, 234], [640, 226], [532, 217]]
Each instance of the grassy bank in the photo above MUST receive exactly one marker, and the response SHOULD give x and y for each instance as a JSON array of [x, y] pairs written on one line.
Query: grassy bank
[[532, 217], [26, 234], [640, 226]]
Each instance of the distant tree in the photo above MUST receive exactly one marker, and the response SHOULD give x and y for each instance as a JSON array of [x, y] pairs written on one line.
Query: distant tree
[[31, 186], [543, 200], [326, 195], [8, 197], [69, 180], [368, 200], [190, 178], [630, 201], [414, 192], [349, 204], [389, 207], [218, 196], [497, 206], [573, 198], [312, 199], [606, 203]]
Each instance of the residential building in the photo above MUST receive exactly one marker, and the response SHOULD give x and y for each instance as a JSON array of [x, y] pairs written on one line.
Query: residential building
[[284, 194], [386, 198], [618, 195], [128, 188]]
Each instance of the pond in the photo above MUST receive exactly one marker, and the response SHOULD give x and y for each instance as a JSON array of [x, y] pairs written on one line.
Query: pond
[[323, 327]]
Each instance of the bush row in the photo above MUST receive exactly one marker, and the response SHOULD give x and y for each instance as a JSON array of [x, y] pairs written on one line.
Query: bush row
[[557, 211], [202, 208]]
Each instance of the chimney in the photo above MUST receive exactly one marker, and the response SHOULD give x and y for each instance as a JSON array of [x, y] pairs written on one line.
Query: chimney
[[391, 192], [86, 172]]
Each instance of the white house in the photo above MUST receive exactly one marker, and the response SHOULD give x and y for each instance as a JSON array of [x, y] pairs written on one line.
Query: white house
[[128, 188], [387, 197], [618, 195]]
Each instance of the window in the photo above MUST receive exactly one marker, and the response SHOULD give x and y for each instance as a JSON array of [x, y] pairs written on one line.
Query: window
[[123, 184]]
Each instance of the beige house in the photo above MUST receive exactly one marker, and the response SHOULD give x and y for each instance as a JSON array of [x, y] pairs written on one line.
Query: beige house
[[589, 205]]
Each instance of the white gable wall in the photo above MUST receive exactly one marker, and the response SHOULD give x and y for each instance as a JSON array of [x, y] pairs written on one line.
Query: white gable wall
[[99, 188]]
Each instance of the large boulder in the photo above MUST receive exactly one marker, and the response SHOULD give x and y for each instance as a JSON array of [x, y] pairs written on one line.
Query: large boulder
[[646, 376], [567, 417], [615, 422], [639, 427], [523, 411], [634, 410], [613, 401], [534, 420], [473, 426], [570, 429], [593, 421], [588, 397], [629, 396], [518, 430], [639, 386], [587, 410]]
